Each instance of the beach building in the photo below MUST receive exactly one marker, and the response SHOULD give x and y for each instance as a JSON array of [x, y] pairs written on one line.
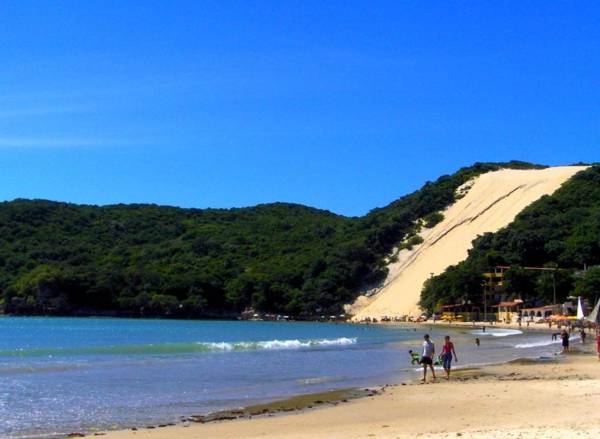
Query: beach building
[[539, 312], [508, 312], [494, 284]]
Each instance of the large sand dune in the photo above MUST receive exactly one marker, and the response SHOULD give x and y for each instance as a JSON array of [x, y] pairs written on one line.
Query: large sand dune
[[492, 202]]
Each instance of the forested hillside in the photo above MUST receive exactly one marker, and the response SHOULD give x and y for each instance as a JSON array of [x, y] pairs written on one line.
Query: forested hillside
[[560, 231], [64, 259]]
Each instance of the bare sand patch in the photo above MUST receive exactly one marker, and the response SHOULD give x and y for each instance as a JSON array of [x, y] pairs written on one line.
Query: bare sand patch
[[491, 202]]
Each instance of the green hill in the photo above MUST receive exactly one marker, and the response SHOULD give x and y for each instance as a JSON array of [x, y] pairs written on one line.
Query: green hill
[[66, 259], [560, 231]]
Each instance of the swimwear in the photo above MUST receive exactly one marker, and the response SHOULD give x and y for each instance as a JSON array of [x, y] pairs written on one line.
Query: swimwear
[[426, 361]]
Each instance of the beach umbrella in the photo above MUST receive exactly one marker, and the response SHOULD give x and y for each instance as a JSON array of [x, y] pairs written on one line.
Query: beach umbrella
[[579, 309], [594, 317]]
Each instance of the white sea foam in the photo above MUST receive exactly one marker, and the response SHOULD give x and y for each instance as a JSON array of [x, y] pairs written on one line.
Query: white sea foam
[[278, 344], [538, 344], [496, 332], [320, 380]]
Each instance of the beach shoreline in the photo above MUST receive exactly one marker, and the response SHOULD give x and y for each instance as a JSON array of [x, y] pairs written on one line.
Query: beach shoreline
[[533, 327], [524, 397]]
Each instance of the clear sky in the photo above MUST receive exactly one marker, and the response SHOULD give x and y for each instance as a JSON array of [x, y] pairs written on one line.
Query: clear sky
[[339, 105]]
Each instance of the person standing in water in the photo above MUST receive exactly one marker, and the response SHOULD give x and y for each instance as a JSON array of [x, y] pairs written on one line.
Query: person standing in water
[[565, 340], [427, 357], [447, 352]]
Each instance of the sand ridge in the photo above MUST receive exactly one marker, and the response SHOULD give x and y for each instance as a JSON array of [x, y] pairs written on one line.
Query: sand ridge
[[491, 202]]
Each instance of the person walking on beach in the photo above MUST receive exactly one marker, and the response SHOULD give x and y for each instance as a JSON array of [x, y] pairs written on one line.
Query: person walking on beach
[[447, 352], [427, 357], [565, 340], [583, 335]]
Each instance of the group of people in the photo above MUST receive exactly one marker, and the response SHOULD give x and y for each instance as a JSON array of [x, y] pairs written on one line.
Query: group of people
[[565, 336], [427, 358]]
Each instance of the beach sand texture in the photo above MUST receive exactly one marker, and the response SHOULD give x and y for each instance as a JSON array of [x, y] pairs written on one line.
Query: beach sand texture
[[524, 399], [493, 201]]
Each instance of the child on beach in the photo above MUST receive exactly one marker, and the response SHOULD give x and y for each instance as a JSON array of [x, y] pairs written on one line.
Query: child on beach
[[414, 357]]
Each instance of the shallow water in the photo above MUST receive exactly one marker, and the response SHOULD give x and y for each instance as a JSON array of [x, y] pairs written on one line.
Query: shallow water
[[60, 375]]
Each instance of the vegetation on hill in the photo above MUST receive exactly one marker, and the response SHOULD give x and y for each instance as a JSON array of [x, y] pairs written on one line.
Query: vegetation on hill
[[147, 260], [559, 231]]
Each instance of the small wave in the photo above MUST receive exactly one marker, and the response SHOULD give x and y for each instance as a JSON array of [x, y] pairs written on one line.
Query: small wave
[[537, 344], [278, 344], [39, 369], [320, 380], [496, 332], [180, 348]]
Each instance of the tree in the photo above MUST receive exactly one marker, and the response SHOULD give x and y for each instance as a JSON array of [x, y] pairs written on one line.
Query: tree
[[588, 283]]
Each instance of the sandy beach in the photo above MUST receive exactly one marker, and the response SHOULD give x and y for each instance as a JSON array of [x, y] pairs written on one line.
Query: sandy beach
[[549, 399]]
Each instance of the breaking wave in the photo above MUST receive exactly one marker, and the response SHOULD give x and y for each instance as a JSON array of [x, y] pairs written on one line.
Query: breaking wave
[[278, 344], [182, 348]]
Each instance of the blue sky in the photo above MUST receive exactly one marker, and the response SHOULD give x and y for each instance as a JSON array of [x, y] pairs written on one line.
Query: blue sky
[[339, 105]]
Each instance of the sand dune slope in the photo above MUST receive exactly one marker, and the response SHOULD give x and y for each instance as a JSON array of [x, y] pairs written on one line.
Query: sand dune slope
[[492, 202]]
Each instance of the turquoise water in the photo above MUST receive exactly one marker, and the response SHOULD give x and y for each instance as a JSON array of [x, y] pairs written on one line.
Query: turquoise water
[[59, 375]]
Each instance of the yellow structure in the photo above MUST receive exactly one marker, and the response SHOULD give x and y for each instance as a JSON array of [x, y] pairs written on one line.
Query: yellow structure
[[460, 313], [508, 311]]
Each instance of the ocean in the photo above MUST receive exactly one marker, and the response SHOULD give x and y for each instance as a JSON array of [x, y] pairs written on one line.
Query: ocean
[[60, 375]]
